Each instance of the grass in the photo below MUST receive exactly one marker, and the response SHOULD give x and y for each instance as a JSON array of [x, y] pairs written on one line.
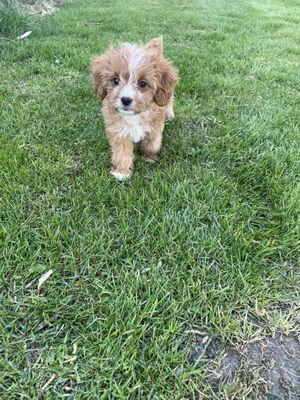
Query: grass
[[12, 18], [207, 238]]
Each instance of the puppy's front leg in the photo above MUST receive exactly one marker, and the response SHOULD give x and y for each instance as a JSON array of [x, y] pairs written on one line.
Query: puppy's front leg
[[122, 156], [151, 143]]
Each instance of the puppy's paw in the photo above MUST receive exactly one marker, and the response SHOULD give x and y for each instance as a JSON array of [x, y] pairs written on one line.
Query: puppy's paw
[[169, 114], [120, 175], [150, 159]]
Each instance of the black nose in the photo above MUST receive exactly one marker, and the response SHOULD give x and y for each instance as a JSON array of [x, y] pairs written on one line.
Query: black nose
[[126, 101]]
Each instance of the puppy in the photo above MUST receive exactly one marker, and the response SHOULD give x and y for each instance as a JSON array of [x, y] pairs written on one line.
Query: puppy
[[135, 84]]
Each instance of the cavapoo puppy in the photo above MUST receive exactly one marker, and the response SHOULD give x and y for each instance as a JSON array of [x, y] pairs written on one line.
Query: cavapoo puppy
[[135, 84]]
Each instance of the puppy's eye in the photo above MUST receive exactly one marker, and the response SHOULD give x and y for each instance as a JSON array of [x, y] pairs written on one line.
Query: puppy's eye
[[142, 84], [116, 81]]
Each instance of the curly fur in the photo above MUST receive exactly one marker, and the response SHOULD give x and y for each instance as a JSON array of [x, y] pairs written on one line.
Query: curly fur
[[117, 74]]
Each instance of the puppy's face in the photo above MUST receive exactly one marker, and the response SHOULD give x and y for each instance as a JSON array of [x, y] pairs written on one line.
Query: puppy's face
[[128, 79]]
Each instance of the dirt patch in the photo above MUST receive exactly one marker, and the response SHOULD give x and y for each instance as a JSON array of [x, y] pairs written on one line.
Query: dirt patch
[[34, 351], [269, 368], [42, 8]]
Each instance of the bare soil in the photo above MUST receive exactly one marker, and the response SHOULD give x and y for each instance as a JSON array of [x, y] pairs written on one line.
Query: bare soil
[[42, 8], [270, 366]]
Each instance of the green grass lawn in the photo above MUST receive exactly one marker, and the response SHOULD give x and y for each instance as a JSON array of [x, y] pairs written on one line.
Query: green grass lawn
[[207, 238]]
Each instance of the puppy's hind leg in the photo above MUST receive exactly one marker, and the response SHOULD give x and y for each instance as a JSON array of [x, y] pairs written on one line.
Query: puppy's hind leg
[[169, 110], [151, 144]]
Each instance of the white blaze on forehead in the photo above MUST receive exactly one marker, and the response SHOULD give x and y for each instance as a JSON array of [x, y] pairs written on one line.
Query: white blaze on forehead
[[135, 58]]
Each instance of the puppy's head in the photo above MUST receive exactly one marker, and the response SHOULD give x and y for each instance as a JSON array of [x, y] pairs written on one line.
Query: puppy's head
[[130, 77]]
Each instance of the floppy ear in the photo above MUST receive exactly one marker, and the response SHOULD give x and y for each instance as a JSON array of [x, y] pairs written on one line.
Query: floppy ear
[[167, 79], [156, 44], [98, 80]]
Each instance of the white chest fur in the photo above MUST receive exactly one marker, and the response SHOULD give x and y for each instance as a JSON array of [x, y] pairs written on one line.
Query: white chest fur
[[135, 126]]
